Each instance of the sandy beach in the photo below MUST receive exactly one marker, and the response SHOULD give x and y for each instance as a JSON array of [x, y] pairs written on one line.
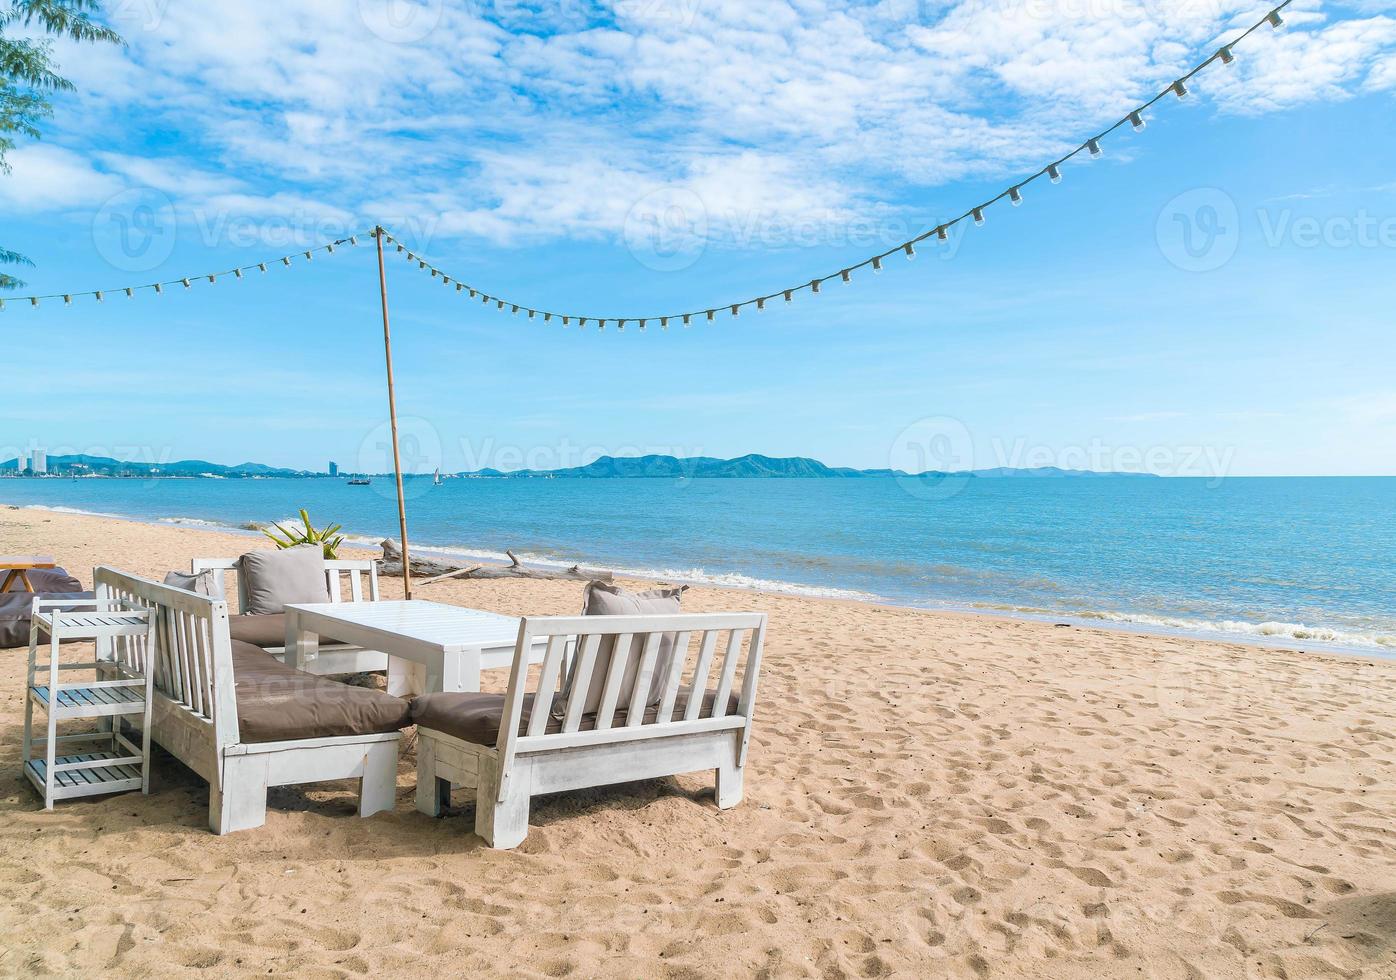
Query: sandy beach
[[928, 794]]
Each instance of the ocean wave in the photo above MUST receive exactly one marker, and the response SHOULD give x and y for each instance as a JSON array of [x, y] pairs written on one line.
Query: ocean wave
[[1267, 630], [53, 508]]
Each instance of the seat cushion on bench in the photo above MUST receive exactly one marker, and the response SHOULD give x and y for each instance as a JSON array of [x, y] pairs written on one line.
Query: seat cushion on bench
[[473, 717], [260, 631], [277, 703]]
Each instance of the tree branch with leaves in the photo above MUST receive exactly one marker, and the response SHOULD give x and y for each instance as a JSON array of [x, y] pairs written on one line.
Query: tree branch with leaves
[[28, 74]]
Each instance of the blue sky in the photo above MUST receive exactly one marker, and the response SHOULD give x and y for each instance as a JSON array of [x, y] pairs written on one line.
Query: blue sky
[[1213, 296]]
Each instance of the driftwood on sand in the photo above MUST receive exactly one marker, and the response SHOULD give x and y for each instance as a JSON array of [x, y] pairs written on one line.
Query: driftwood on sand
[[428, 570]]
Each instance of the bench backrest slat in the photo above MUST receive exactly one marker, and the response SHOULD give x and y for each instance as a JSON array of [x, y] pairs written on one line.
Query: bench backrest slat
[[629, 634], [362, 574], [192, 660]]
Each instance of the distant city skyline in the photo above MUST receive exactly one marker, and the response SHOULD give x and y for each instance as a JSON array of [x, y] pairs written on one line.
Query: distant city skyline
[[1212, 296]]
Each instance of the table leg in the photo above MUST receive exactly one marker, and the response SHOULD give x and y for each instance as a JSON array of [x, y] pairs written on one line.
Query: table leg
[[302, 645], [460, 672], [9, 580], [24, 577], [407, 678]]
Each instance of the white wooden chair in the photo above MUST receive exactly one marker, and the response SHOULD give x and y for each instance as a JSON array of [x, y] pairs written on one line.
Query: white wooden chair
[[361, 576], [194, 713], [684, 732]]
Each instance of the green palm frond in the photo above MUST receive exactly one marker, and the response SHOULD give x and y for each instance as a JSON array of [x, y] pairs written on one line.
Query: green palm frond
[[327, 537]]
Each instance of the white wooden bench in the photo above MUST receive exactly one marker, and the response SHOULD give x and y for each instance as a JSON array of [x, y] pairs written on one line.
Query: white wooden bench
[[331, 658], [194, 714], [626, 739]]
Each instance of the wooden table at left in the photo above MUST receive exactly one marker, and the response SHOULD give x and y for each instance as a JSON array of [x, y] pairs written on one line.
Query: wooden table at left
[[17, 568]]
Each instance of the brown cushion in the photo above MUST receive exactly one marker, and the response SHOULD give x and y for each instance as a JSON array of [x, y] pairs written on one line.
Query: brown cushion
[[15, 609], [52, 580], [605, 599], [271, 579], [278, 703], [260, 631], [476, 717]]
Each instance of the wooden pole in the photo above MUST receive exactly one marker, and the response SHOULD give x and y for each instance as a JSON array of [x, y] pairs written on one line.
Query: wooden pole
[[392, 418]]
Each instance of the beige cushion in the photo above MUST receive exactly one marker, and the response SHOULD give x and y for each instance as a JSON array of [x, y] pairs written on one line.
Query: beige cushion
[[604, 599], [271, 579], [476, 717], [260, 631], [277, 703]]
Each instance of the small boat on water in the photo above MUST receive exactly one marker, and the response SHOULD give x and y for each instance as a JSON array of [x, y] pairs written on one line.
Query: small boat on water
[[360, 483], [436, 480]]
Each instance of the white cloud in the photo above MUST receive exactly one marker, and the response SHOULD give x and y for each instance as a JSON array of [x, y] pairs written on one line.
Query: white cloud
[[50, 178], [518, 121]]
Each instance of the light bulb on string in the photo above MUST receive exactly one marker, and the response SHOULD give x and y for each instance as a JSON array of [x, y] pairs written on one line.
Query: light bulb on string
[[1180, 89], [213, 279], [353, 239], [1225, 54], [286, 260], [876, 265], [1015, 196], [814, 284], [846, 275], [1054, 173], [262, 266], [34, 301], [1276, 21], [943, 233], [1093, 146], [309, 257], [159, 289], [760, 305], [98, 295], [185, 283], [910, 251], [789, 295], [67, 299], [978, 214], [237, 273], [1136, 119], [664, 323], [130, 293], [712, 315]]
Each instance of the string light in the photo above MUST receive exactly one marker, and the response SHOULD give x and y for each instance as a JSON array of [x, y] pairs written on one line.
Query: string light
[[1135, 117]]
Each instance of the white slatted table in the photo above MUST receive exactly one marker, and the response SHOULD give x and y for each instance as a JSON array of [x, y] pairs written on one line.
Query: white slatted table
[[431, 646]]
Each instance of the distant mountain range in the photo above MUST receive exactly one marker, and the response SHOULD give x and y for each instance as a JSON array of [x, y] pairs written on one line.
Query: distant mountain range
[[605, 468], [755, 466]]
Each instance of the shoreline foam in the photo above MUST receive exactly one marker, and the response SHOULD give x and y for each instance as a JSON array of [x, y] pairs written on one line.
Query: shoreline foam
[[1290, 636]]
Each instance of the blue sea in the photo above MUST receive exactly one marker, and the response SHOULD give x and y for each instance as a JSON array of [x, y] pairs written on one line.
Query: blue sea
[[1307, 561]]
